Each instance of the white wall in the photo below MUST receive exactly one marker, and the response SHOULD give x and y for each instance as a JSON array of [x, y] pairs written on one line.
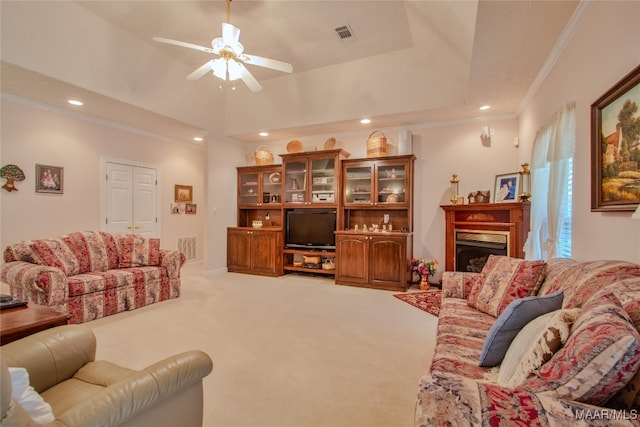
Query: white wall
[[30, 135], [222, 158], [604, 49]]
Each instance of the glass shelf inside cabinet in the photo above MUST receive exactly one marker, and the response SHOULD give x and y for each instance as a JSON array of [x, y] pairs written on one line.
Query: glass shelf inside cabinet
[[296, 181], [391, 184], [271, 187], [358, 188], [323, 184], [249, 188]]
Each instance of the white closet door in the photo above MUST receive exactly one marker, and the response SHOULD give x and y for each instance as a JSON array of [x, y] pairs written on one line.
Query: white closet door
[[131, 199], [144, 201]]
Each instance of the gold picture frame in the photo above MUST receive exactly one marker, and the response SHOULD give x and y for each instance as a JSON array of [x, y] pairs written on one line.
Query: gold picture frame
[[183, 193], [49, 179], [615, 147]]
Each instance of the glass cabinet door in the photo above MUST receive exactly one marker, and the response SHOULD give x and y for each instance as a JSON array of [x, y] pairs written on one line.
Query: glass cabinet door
[[391, 183], [295, 182], [323, 184], [358, 184], [271, 188], [249, 191]]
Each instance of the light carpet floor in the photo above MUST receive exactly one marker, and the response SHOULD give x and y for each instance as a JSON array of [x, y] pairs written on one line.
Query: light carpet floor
[[287, 351]]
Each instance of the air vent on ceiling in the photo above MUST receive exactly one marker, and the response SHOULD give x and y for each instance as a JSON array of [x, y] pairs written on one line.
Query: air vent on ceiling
[[344, 32]]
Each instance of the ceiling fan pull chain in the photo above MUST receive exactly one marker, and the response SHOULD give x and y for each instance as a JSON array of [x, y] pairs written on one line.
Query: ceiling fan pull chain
[[229, 11]]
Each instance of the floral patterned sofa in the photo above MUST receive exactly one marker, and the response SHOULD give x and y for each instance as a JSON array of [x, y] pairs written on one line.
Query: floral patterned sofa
[[92, 274], [581, 368]]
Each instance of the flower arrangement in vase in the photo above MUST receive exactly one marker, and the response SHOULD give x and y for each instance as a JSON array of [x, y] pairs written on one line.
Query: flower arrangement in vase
[[425, 267]]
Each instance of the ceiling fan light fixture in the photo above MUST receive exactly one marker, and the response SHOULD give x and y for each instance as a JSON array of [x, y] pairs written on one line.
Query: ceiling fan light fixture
[[229, 65], [235, 71]]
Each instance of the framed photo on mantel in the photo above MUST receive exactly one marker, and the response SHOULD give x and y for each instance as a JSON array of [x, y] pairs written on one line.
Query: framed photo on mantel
[[615, 146], [506, 188]]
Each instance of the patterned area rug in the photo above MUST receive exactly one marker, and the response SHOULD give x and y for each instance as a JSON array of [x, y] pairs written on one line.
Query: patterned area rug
[[428, 301]]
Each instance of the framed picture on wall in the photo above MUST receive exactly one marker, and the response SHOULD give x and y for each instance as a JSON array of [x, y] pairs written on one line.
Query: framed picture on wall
[[615, 146], [183, 193], [190, 208], [506, 188], [49, 179]]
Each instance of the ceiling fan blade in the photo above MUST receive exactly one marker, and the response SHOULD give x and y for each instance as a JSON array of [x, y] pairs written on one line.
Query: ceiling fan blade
[[248, 79], [204, 69], [183, 44], [230, 34], [266, 62]]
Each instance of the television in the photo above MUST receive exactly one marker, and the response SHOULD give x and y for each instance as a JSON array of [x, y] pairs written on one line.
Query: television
[[311, 228]]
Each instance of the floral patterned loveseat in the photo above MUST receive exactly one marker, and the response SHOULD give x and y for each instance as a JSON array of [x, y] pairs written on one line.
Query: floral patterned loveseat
[[92, 274], [586, 375]]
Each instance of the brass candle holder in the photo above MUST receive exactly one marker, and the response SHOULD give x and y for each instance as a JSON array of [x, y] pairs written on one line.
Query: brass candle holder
[[454, 189], [525, 183]]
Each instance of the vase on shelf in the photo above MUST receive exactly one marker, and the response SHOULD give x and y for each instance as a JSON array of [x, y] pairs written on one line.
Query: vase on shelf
[[424, 282]]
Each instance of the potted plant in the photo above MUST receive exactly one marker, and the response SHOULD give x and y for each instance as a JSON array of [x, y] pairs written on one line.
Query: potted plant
[[425, 267]]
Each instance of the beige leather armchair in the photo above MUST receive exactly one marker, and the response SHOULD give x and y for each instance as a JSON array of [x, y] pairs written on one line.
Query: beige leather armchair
[[84, 392]]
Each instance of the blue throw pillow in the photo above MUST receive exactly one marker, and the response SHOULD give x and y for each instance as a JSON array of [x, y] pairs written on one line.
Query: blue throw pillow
[[515, 317]]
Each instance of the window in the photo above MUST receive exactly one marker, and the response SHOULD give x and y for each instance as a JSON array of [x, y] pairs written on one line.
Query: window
[[564, 238], [552, 188]]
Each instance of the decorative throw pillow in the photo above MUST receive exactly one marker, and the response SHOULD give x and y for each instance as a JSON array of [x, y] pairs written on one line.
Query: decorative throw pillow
[[33, 404], [601, 355], [56, 253], [534, 345], [511, 321], [136, 251], [505, 279]]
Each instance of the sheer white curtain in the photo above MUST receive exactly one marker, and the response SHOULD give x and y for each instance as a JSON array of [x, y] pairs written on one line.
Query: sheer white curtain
[[551, 187]]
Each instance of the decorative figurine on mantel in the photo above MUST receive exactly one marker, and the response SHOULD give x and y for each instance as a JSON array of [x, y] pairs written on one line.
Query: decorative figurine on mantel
[[11, 173]]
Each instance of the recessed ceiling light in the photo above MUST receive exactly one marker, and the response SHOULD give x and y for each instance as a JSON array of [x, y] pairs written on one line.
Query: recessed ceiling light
[[365, 121], [485, 107], [264, 133], [198, 139], [75, 102]]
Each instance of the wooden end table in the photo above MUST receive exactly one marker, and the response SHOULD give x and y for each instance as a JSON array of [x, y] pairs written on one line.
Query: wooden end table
[[19, 322]]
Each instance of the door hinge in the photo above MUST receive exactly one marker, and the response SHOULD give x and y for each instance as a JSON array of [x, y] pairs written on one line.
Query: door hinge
[[156, 182], [156, 220], [106, 220], [106, 177]]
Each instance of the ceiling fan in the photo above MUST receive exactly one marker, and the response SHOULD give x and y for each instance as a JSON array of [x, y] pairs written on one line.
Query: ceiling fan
[[231, 57]]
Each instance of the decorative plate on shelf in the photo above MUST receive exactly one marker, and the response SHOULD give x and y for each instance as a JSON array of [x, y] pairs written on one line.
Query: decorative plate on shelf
[[329, 143], [294, 146], [275, 177], [392, 198]]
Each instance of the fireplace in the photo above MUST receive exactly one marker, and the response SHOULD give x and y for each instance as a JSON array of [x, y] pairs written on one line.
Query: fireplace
[[475, 231], [474, 247]]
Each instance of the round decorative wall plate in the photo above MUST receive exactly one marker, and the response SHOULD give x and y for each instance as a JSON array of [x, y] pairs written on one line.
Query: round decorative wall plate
[[275, 177], [294, 146], [329, 143]]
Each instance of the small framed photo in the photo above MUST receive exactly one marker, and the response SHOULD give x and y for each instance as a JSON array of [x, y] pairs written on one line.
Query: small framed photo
[[183, 193], [615, 147], [49, 179], [177, 208], [190, 208], [506, 188]]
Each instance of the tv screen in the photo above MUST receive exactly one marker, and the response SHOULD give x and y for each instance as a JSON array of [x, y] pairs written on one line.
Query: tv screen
[[311, 229]]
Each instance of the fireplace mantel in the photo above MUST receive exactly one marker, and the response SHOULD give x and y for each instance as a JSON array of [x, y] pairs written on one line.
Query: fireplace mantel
[[512, 218]]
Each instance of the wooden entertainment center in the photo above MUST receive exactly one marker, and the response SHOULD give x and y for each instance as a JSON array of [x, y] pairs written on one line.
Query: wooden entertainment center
[[373, 203]]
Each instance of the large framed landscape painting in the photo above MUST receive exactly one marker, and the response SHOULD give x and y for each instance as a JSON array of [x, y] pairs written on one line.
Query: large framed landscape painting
[[615, 147]]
